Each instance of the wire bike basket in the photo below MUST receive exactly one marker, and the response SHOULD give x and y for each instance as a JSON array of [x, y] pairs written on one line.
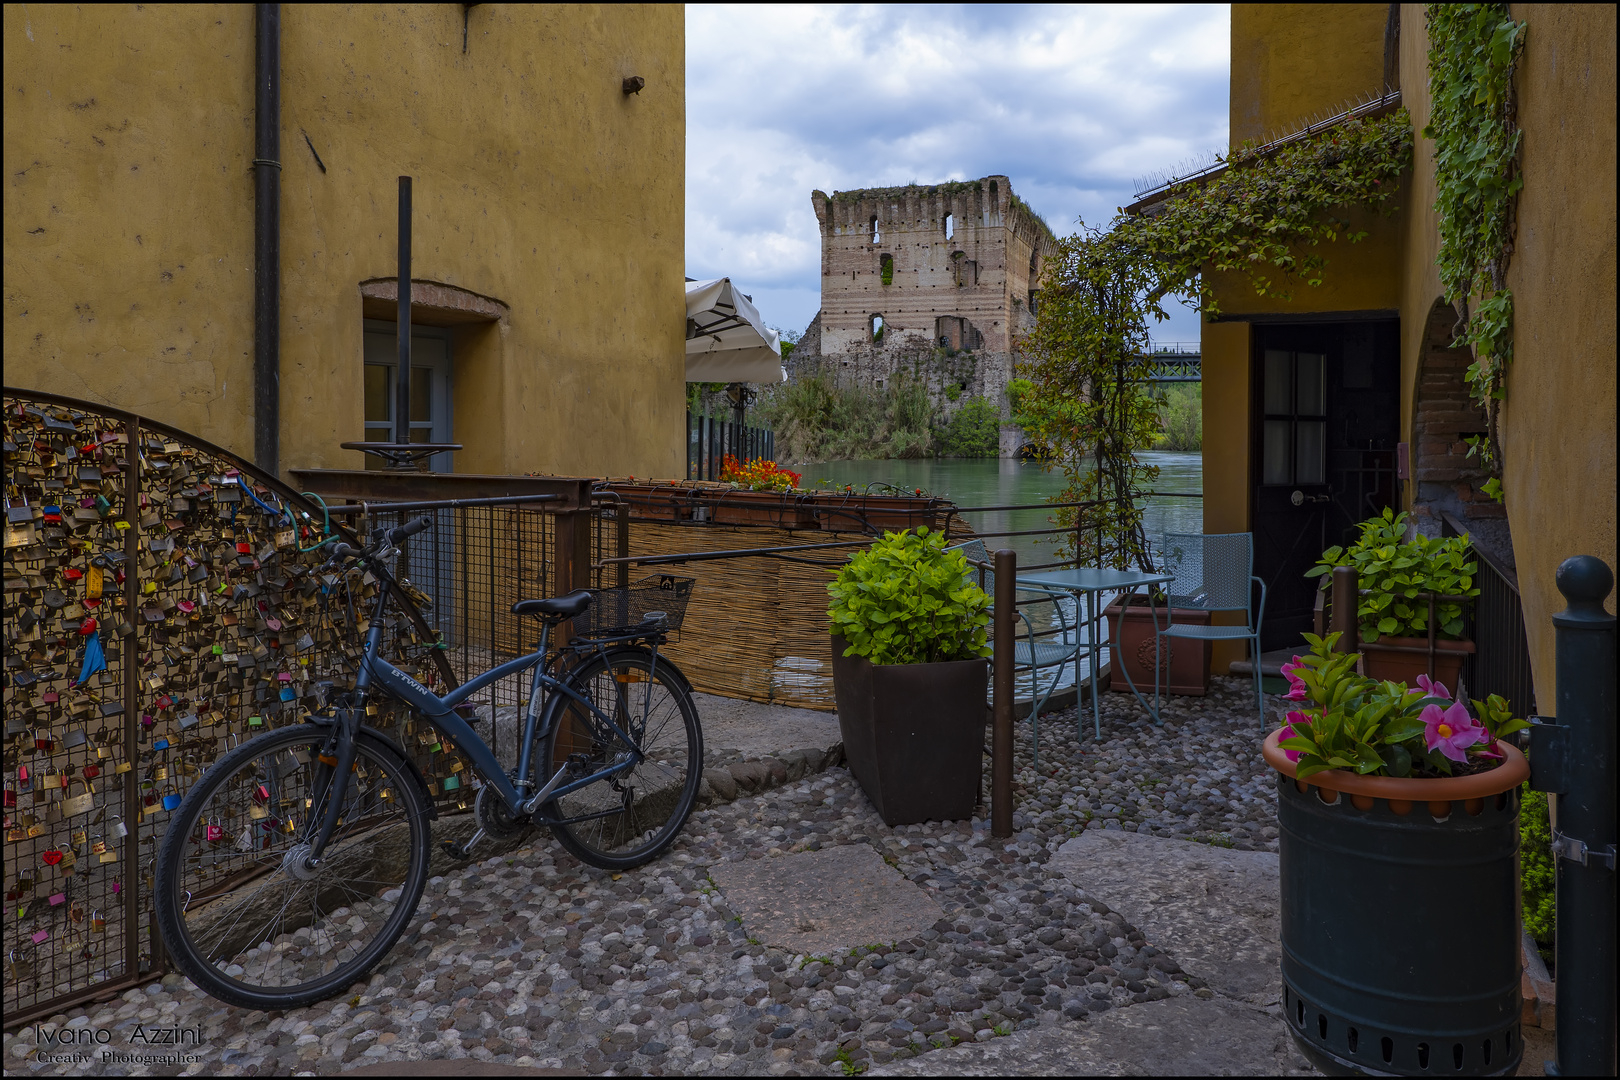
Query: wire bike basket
[[625, 609]]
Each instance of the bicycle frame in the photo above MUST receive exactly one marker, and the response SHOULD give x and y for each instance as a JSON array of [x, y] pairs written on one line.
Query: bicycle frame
[[377, 673]]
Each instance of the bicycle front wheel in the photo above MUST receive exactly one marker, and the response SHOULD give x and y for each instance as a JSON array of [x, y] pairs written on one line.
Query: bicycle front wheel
[[628, 819], [243, 915]]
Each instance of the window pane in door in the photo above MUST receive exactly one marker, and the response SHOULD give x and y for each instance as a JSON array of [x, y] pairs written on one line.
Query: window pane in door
[[1308, 387], [1274, 457], [379, 393], [1279, 388], [1310, 458]]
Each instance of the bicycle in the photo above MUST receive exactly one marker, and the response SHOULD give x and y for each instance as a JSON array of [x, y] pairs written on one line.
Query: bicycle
[[293, 865]]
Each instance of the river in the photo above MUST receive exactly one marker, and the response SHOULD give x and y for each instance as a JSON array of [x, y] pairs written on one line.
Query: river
[[972, 482], [1007, 482]]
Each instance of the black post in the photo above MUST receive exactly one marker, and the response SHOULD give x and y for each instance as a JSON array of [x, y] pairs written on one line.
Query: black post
[[267, 237], [1346, 606], [402, 384], [1001, 735], [1584, 836]]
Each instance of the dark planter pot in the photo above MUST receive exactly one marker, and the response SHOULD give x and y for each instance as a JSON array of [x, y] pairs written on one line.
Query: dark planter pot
[[913, 734], [1391, 658], [1183, 661], [1400, 920]]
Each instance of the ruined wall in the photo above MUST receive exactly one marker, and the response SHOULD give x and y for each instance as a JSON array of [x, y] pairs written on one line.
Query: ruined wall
[[950, 306]]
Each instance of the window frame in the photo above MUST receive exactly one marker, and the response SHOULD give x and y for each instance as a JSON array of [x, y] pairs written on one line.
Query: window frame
[[440, 423]]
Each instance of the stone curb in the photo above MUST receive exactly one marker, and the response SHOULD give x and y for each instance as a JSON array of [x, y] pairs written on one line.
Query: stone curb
[[727, 783]]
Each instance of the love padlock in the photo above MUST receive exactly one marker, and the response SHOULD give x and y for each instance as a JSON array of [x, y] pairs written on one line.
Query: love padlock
[[51, 856], [97, 923], [22, 969], [80, 804], [214, 832]]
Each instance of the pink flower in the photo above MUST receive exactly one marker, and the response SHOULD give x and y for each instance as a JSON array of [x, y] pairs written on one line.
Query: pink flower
[[1296, 685], [1288, 732], [1431, 688], [1451, 732]]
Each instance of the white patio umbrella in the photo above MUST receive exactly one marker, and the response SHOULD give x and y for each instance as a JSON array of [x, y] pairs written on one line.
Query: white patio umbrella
[[726, 340]]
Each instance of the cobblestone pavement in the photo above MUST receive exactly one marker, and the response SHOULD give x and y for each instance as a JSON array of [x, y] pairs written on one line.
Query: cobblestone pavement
[[532, 958]]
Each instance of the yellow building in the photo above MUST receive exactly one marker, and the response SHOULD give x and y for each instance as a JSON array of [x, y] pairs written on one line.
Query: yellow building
[[1387, 409], [548, 227]]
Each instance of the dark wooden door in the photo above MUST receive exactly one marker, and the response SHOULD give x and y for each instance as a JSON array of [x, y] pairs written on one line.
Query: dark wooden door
[[1326, 409]]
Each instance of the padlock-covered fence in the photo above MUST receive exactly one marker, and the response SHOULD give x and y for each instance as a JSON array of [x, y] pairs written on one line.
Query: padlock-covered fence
[[162, 603]]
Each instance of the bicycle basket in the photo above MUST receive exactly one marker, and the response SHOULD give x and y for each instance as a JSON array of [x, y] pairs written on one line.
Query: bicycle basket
[[623, 610]]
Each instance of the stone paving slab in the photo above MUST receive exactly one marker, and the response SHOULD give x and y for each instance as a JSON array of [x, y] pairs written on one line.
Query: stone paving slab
[[1179, 1036], [757, 730], [1213, 909], [823, 902]]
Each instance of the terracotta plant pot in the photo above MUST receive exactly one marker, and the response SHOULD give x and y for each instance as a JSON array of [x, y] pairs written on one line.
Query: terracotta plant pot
[[1388, 658], [913, 733], [1186, 667], [886, 513], [1400, 919]]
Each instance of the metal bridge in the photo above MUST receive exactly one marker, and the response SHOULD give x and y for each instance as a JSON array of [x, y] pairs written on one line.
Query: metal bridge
[[1174, 361]]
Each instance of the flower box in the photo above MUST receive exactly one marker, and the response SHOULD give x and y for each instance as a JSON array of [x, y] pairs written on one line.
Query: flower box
[[1403, 659], [776, 509], [913, 734], [1400, 919]]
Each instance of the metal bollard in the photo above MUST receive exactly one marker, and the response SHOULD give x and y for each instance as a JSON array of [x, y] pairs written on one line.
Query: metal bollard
[[1573, 757], [1001, 735]]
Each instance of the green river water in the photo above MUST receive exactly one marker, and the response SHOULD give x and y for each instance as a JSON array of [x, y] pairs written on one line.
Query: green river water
[[1006, 482]]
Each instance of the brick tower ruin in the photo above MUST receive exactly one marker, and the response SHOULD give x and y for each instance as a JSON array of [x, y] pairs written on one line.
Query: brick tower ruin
[[931, 282]]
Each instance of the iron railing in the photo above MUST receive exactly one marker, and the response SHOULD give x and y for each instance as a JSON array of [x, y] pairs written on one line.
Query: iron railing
[[1500, 663], [708, 441]]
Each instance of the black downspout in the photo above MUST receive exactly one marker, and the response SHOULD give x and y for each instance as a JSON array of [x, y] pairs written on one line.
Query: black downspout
[[267, 238], [402, 383]]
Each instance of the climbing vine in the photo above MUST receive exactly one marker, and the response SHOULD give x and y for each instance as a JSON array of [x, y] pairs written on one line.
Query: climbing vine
[[1265, 217], [1473, 49]]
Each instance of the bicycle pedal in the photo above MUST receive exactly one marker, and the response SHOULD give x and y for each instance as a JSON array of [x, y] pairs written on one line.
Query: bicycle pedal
[[462, 852]]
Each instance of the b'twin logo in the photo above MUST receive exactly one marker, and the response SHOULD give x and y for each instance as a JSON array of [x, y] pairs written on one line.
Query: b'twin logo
[[408, 681]]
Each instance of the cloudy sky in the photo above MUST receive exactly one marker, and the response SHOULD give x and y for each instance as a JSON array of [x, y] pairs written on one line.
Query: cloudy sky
[[1074, 104]]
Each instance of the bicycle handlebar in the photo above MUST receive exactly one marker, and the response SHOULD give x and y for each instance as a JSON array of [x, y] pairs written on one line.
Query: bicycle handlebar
[[409, 529]]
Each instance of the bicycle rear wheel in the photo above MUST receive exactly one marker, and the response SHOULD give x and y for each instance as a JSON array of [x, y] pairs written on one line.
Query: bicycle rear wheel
[[626, 821], [242, 915]]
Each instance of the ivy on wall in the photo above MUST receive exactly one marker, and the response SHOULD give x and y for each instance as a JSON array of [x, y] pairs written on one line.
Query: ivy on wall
[[1473, 49], [1265, 217]]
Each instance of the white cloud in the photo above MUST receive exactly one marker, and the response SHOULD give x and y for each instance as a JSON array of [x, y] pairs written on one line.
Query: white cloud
[[1073, 103]]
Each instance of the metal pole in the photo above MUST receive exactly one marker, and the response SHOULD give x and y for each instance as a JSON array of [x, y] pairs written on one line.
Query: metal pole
[[1346, 603], [402, 385], [1001, 740], [266, 239], [1584, 837]]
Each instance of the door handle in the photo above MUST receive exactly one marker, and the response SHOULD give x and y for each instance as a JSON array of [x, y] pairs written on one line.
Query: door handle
[[1299, 498]]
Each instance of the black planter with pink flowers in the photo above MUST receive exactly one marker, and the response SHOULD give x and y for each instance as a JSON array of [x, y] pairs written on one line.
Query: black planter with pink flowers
[[1400, 920]]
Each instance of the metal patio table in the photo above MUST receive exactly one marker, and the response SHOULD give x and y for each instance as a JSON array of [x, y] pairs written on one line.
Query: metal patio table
[[1093, 581]]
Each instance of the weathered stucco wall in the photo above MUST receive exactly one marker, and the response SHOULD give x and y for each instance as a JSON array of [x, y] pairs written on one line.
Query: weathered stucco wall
[[1291, 61], [129, 225]]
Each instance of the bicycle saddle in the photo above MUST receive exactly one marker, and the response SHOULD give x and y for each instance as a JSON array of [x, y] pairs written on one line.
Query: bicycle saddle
[[558, 607]]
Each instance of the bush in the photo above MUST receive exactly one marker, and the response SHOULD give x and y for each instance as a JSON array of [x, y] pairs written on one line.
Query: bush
[[1536, 870], [975, 430], [906, 600], [816, 420], [1394, 572], [1181, 417]]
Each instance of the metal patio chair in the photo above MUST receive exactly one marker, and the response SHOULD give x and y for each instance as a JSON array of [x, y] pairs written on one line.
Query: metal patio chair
[[1030, 653], [1213, 573]]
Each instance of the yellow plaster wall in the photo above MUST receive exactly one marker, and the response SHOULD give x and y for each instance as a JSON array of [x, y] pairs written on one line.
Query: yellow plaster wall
[[128, 138], [1225, 368], [1292, 61], [1558, 420]]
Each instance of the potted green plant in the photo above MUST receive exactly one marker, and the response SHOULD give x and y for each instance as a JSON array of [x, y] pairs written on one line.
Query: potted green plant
[[909, 636], [1392, 615], [1398, 811]]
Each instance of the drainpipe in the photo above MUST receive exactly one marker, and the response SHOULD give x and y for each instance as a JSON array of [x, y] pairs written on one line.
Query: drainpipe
[[267, 237]]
